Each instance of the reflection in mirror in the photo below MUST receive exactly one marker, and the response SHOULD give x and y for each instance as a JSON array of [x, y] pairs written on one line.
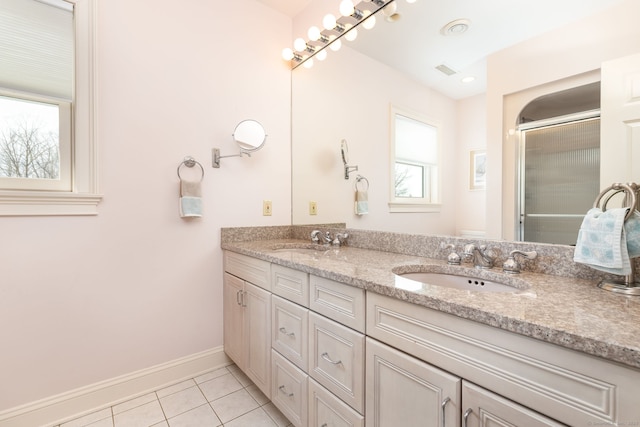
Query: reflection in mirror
[[569, 44], [415, 177], [249, 135]]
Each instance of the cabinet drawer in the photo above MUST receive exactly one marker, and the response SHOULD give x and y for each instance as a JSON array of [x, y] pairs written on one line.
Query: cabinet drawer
[[289, 391], [336, 359], [290, 284], [327, 410], [252, 270], [337, 301], [290, 332]]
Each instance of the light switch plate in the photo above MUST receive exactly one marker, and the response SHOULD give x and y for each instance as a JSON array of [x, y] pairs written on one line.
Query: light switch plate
[[313, 208], [266, 207]]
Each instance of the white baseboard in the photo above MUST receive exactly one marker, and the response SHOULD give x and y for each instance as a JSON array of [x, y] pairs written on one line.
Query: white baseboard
[[65, 406]]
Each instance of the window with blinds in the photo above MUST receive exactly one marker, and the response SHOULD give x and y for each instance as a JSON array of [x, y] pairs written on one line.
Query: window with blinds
[[36, 94], [560, 177]]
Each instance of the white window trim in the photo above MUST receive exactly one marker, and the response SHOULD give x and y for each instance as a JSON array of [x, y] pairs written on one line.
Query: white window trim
[[404, 205], [84, 198]]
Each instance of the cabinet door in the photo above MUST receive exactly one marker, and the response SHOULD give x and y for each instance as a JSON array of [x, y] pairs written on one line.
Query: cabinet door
[[404, 391], [233, 318], [483, 408], [257, 336]]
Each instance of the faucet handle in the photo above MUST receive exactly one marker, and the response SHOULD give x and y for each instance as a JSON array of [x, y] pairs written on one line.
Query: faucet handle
[[512, 266], [340, 239], [314, 236], [453, 258]]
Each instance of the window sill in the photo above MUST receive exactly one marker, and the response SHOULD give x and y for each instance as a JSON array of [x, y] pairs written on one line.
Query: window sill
[[395, 207], [36, 203]]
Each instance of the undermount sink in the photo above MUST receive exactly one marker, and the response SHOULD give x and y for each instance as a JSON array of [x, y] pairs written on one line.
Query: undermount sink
[[414, 280]]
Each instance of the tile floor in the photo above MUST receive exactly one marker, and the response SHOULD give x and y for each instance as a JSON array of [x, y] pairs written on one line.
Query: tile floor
[[224, 397]]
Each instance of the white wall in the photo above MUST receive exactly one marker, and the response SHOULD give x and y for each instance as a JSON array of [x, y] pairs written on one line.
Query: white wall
[[472, 130], [348, 96], [573, 50], [84, 299]]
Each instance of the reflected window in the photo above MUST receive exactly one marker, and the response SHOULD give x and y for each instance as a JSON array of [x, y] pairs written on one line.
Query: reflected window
[[414, 155]]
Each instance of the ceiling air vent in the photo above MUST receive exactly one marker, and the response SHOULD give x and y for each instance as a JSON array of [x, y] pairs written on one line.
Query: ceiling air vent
[[446, 70]]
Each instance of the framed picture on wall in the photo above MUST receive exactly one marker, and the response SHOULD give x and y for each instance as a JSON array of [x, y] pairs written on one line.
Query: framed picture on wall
[[478, 169]]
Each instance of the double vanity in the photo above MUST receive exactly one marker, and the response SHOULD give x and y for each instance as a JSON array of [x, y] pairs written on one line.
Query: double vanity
[[381, 331]]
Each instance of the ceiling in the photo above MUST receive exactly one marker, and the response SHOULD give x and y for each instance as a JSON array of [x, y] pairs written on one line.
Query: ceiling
[[415, 45]]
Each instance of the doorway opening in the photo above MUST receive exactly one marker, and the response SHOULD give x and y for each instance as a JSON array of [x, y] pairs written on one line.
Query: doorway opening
[[559, 164]]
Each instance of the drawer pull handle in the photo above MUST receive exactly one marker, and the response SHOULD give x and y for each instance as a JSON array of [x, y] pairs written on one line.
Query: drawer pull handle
[[282, 389], [465, 416], [326, 357], [444, 404], [324, 425], [238, 294], [284, 331]]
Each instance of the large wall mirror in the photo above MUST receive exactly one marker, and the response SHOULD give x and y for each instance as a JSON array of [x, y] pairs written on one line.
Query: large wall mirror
[[552, 47]]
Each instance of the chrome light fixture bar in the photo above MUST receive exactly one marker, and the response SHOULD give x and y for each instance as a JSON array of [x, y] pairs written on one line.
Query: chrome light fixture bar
[[334, 29]]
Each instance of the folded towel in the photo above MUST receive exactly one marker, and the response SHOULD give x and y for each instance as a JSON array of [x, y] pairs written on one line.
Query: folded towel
[[190, 199], [602, 241], [362, 202]]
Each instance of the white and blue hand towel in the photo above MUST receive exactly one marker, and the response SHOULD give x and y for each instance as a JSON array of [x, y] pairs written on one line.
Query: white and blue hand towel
[[602, 241], [632, 231], [190, 199]]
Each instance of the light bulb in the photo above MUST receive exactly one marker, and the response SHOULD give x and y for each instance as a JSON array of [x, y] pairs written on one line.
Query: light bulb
[[369, 23], [299, 44], [313, 33], [329, 22], [411, 1], [352, 34], [322, 55], [390, 9], [347, 8], [287, 54], [336, 45], [308, 63]]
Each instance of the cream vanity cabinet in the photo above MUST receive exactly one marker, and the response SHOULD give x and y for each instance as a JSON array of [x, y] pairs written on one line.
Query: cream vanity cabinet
[[317, 340], [247, 317], [503, 378]]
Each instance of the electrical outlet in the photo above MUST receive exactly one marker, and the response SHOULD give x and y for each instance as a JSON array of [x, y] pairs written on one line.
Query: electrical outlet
[[313, 208], [266, 207]]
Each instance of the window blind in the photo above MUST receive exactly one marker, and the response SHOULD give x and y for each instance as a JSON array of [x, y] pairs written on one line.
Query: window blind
[[36, 47]]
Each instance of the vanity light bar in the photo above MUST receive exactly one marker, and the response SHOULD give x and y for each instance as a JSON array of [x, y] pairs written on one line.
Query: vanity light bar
[[343, 26]]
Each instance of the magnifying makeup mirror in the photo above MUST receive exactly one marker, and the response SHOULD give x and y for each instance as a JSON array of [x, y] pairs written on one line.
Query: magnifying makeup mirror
[[249, 135], [344, 149]]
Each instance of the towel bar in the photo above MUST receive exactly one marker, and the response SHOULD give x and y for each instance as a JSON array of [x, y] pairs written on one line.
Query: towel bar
[[190, 162]]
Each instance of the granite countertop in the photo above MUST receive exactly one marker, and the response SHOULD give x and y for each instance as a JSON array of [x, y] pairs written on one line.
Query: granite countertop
[[572, 313]]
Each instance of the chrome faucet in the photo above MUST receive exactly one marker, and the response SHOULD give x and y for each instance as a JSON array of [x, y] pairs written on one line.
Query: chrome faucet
[[482, 257], [317, 236]]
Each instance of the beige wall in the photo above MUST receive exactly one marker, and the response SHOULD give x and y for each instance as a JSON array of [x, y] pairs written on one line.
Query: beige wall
[[84, 299]]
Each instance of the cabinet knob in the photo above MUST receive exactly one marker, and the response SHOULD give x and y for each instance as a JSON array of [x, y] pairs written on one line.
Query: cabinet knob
[[326, 357], [466, 416], [284, 331], [284, 390], [443, 405]]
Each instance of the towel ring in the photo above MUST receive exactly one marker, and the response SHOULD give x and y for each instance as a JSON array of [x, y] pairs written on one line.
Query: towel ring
[[190, 162], [361, 178], [618, 187]]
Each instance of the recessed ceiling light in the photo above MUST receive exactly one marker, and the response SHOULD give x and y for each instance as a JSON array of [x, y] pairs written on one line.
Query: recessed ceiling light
[[467, 79], [456, 27]]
